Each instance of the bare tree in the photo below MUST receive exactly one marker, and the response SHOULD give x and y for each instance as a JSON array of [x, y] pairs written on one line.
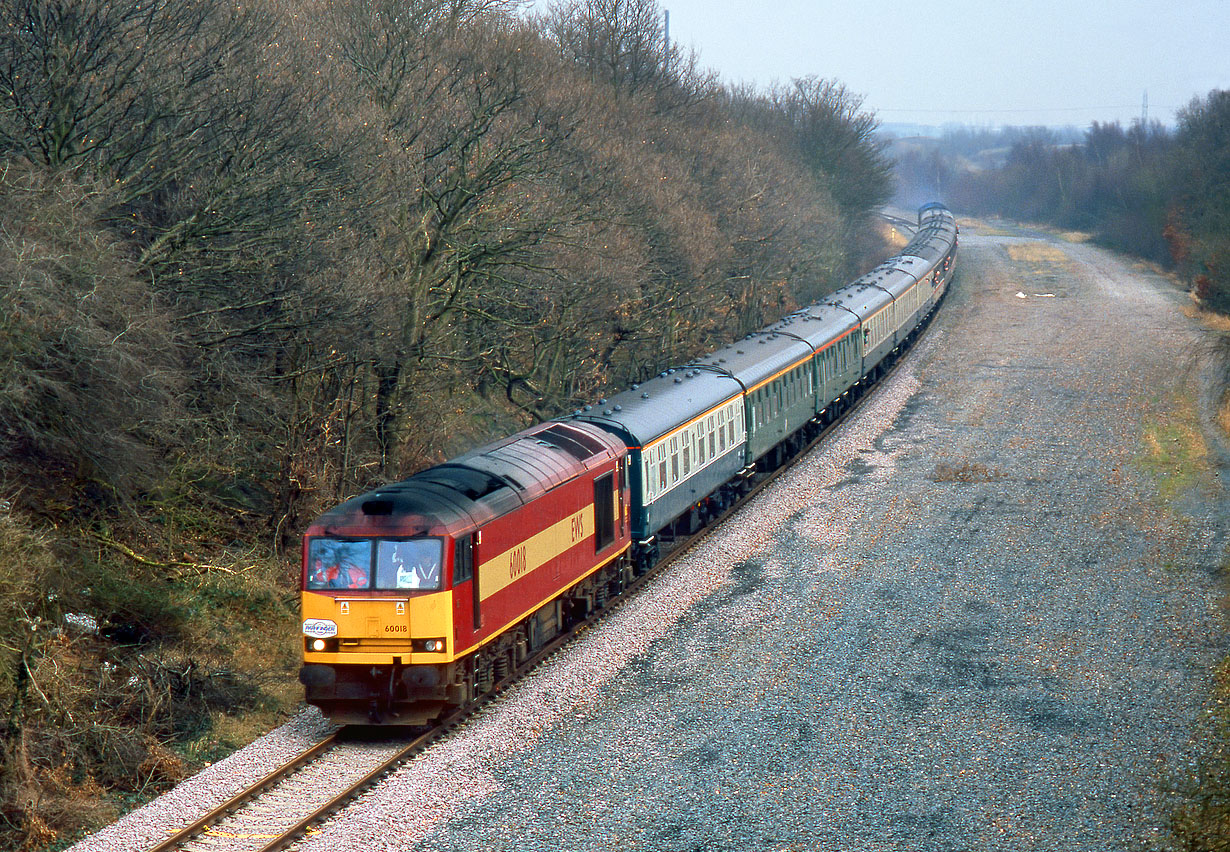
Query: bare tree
[[837, 140], [91, 365], [622, 43], [465, 160]]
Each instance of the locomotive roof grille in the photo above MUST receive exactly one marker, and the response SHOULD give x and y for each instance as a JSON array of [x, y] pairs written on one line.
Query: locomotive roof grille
[[472, 483], [572, 441]]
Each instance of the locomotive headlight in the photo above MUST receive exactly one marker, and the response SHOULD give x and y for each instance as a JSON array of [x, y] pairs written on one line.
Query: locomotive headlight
[[431, 646], [318, 644]]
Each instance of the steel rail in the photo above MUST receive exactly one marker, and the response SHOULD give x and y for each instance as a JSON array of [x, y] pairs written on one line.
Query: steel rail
[[247, 794]]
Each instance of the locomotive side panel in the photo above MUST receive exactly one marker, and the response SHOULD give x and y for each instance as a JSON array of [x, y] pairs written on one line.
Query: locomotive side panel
[[528, 557]]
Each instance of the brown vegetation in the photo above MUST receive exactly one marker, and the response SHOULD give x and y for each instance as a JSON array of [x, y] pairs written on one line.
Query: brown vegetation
[[256, 258], [965, 472]]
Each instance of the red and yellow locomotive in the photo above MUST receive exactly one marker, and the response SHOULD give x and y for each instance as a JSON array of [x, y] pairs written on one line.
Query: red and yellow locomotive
[[418, 596]]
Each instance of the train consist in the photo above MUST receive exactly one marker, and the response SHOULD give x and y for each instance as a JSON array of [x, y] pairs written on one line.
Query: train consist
[[419, 596]]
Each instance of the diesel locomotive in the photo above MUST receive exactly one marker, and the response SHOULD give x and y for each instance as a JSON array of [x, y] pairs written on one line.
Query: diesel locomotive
[[418, 596]]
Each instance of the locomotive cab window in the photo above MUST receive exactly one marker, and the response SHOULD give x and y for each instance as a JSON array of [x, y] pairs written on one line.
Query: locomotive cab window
[[337, 564], [413, 564], [604, 512]]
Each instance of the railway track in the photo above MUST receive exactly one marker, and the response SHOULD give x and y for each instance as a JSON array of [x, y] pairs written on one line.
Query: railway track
[[909, 225], [283, 807]]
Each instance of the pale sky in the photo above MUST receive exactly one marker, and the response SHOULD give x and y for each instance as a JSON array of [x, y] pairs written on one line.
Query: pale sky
[[981, 62]]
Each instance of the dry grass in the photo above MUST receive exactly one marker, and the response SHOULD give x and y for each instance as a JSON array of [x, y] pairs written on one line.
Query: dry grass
[[1202, 822], [1173, 451], [93, 726], [1036, 252], [966, 472], [983, 228], [1209, 319]]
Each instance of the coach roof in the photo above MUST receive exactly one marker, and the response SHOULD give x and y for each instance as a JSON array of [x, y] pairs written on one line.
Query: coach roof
[[659, 406]]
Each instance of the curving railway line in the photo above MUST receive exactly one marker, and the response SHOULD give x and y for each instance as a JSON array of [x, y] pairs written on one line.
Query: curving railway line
[[284, 806], [422, 594]]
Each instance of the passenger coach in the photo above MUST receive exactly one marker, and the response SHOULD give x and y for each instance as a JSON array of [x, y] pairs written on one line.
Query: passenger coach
[[685, 431]]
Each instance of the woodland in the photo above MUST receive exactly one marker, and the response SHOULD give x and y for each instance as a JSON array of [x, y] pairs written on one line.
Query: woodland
[[256, 258], [1159, 193]]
